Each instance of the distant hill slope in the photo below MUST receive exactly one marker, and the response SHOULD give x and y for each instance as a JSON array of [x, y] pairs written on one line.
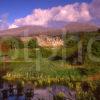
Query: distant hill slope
[[30, 30], [80, 27], [33, 30]]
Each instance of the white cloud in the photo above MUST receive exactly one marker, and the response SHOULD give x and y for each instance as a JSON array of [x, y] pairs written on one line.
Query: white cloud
[[68, 13], [13, 26]]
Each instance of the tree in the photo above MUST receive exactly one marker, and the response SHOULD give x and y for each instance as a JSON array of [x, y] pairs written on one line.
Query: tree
[[98, 30], [96, 48], [4, 47], [13, 42], [32, 44]]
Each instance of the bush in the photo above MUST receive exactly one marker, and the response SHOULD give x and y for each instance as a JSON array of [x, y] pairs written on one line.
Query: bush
[[59, 96], [96, 48], [32, 44], [45, 52], [12, 42]]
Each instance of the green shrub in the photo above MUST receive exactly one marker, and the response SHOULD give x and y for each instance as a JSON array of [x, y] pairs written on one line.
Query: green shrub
[[32, 44], [59, 96]]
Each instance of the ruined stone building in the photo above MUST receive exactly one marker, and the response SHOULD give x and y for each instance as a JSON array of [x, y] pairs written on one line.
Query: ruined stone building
[[47, 41]]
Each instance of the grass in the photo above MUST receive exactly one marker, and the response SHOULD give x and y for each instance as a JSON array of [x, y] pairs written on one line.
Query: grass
[[50, 69], [33, 65]]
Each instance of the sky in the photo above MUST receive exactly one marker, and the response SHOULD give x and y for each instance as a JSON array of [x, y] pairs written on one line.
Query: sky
[[16, 13]]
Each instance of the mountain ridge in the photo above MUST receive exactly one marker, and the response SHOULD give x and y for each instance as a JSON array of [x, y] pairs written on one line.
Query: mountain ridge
[[34, 30]]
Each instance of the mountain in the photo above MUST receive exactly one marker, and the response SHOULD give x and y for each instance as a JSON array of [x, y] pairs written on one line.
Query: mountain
[[30, 30], [80, 27], [35, 30]]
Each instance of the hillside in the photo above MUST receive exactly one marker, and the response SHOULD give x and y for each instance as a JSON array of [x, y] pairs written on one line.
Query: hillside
[[33, 30], [80, 27]]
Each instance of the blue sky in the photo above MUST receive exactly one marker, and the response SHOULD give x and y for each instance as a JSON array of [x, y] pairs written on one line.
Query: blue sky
[[20, 8], [16, 13]]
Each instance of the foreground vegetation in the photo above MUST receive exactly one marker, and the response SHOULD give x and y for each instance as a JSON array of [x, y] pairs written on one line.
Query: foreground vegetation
[[48, 66]]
